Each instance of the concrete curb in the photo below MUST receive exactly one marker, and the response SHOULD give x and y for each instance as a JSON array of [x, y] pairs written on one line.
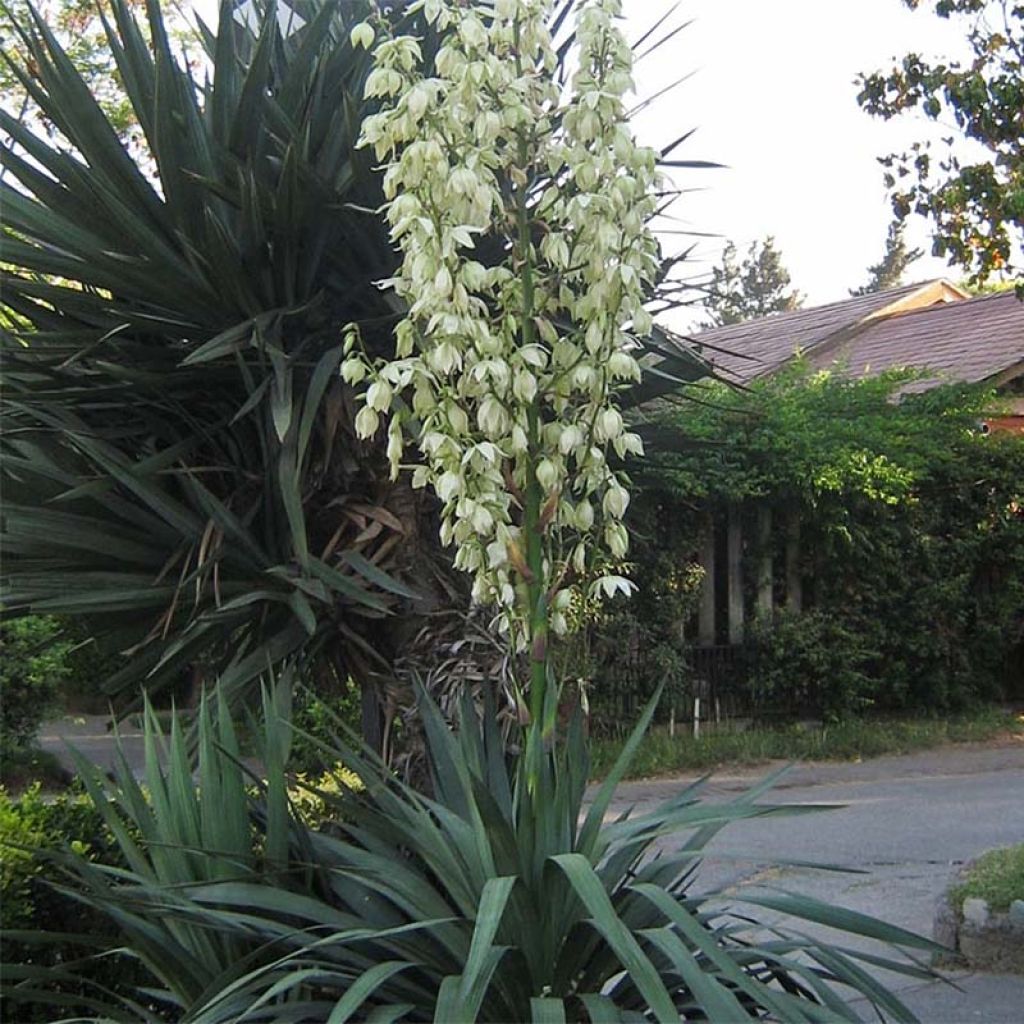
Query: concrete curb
[[979, 937]]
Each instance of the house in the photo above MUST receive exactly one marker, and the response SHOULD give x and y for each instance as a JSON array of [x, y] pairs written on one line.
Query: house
[[936, 327]]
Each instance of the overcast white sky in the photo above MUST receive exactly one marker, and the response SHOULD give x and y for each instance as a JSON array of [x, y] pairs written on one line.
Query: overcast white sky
[[773, 96]]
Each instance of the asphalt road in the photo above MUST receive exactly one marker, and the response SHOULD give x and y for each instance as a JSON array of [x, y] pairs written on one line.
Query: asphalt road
[[908, 823]]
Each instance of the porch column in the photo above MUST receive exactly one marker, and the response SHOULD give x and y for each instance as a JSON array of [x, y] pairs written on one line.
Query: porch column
[[706, 607], [734, 547], [794, 582], [765, 574]]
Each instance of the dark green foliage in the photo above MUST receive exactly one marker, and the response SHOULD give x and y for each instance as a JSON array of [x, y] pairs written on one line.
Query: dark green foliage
[[814, 664], [91, 661], [627, 649], [912, 530], [179, 463], [33, 662], [32, 826], [889, 270], [976, 209], [484, 902], [315, 715], [935, 585], [757, 286]]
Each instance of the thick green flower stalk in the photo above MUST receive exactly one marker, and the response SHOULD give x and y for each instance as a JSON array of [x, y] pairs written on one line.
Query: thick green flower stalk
[[506, 367]]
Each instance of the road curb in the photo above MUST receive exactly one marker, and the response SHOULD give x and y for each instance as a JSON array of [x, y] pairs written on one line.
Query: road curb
[[978, 937]]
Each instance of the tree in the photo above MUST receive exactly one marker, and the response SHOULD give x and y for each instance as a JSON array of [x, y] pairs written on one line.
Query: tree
[[78, 26], [753, 288], [889, 271], [976, 208], [180, 458], [179, 461]]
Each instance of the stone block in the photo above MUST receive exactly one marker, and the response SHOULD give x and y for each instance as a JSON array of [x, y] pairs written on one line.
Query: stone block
[[976, 913], [1016, 914], [944, 929]]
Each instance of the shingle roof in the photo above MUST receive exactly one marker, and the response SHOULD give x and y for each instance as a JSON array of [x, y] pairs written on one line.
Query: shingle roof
[[932, 326], [756, 347], [969, 341]]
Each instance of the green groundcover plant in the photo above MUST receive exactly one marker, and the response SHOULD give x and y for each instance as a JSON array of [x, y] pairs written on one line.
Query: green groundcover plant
[[996, 877]]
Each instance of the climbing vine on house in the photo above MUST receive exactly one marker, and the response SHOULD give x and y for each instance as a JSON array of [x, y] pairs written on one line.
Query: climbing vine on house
[[912, 536]]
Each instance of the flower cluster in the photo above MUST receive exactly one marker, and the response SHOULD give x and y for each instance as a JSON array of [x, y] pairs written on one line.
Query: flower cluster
[[521, 213]]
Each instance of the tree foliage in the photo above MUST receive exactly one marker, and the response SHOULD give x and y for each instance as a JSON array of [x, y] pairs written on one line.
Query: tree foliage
[[976, 207], [889, 270], [756, 286], [911, 527], [78, 25]]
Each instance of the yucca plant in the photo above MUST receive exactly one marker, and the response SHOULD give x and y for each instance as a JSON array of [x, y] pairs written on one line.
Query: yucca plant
[[177, 451], [478, 903], [179, 460]]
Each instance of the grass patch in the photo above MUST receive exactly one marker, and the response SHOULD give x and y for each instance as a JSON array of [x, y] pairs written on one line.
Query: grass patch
[[996, 877], [661, 754]]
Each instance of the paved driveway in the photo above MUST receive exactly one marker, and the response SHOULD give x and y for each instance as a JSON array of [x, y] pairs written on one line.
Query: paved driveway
[[93, 738], [909, 823]]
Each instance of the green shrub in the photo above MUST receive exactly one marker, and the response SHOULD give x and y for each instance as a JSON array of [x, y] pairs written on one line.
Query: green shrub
[[812, 664], [33, 661], [996, 877], [316, 716], [487, 902], [912, 533], [32, 827]]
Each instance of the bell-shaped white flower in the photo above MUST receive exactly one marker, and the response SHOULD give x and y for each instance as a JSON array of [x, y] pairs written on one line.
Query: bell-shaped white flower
[[584, 516], [616, 501], [362, 35], [491, 417], [448, 486], [367, 422], [617, 540], [570, 438], [609, 425], [353, 370], [547, 474], [378, 395], [609, 586], [622, 366]]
